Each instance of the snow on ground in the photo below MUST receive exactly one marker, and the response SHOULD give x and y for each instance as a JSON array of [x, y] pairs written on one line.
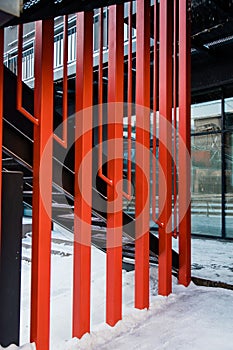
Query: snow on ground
[[212, 259], [190, 318]]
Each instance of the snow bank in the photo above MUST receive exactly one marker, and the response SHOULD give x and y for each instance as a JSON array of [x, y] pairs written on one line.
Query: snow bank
[[190, 318]]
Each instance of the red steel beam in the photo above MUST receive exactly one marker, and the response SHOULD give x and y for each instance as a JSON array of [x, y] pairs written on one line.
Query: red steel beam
[[1, 119], [83, 175], [100, 101], [184, 135], [155, 108], [63, 141], [175, 73], [19, 92], [165, 147], [115, 166], [142, 154], [41, 214], [128, 194]]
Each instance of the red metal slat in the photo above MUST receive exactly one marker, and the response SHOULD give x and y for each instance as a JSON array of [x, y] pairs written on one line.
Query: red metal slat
[[165, 147], [184, 135], [155, 108], [83, 175], [142, 154], [20, 108], [115, 166], [175, 72], [1, 117], [41, 219], [100, 101], [155, 92], [129, 100], [63, 141]]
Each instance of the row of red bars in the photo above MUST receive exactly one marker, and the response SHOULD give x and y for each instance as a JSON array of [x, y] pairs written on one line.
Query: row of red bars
[[162, 44]]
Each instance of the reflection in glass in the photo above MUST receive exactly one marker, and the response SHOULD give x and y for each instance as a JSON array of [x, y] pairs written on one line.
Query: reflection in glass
[[229, 185], [206, 169]]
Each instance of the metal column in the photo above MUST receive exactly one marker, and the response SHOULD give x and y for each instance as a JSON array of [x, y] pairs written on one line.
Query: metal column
[[165, 147], [83, 175], [115, 166], [184, 135], [142, 154], [41, 219], [10, 260]]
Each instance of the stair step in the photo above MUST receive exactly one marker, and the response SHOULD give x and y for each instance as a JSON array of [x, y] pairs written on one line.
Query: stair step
[[67, 218]]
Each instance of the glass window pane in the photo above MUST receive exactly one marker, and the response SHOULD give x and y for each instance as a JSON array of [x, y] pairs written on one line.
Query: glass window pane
[[229, 113], [206, 169], [229, 185], [206, 117]]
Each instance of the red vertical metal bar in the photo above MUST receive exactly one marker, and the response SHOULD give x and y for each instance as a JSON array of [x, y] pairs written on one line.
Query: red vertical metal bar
[[19, 66], [100, 101], [115, 166], [100, 92], [142, 154], [19, 92], [41, 214], [175, 119], [165, 147], [1, 118], [83, 178], [63, 140], [155, 107], [184, 135], [129, 98]]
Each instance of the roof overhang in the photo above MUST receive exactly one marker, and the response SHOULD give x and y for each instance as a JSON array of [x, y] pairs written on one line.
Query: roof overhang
[[9, 10], [11, 7]]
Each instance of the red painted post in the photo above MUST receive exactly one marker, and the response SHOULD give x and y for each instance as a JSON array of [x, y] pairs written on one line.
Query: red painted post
[[115, 166], [184, 135], [165, 147], [155, 107], [19, 96], [128, 193], [41, 214], [83, 175], [1, 118], [63, 140], [100, 101], [142, 155], [175, 73]]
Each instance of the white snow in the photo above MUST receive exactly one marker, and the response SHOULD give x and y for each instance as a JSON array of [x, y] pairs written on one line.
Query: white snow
[[190, 318], [212, 259]]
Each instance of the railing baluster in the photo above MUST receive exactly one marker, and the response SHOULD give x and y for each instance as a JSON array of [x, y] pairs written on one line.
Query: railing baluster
[[42, 185], [175, 72], [115, 166], [100, 101], [83, 175], [128, 194], [19, 96], [165, 148], [142, 155], [63, 141], [184, 139]]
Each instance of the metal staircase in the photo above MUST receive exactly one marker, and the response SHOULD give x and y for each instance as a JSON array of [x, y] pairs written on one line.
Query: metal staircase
[[18, 154]]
